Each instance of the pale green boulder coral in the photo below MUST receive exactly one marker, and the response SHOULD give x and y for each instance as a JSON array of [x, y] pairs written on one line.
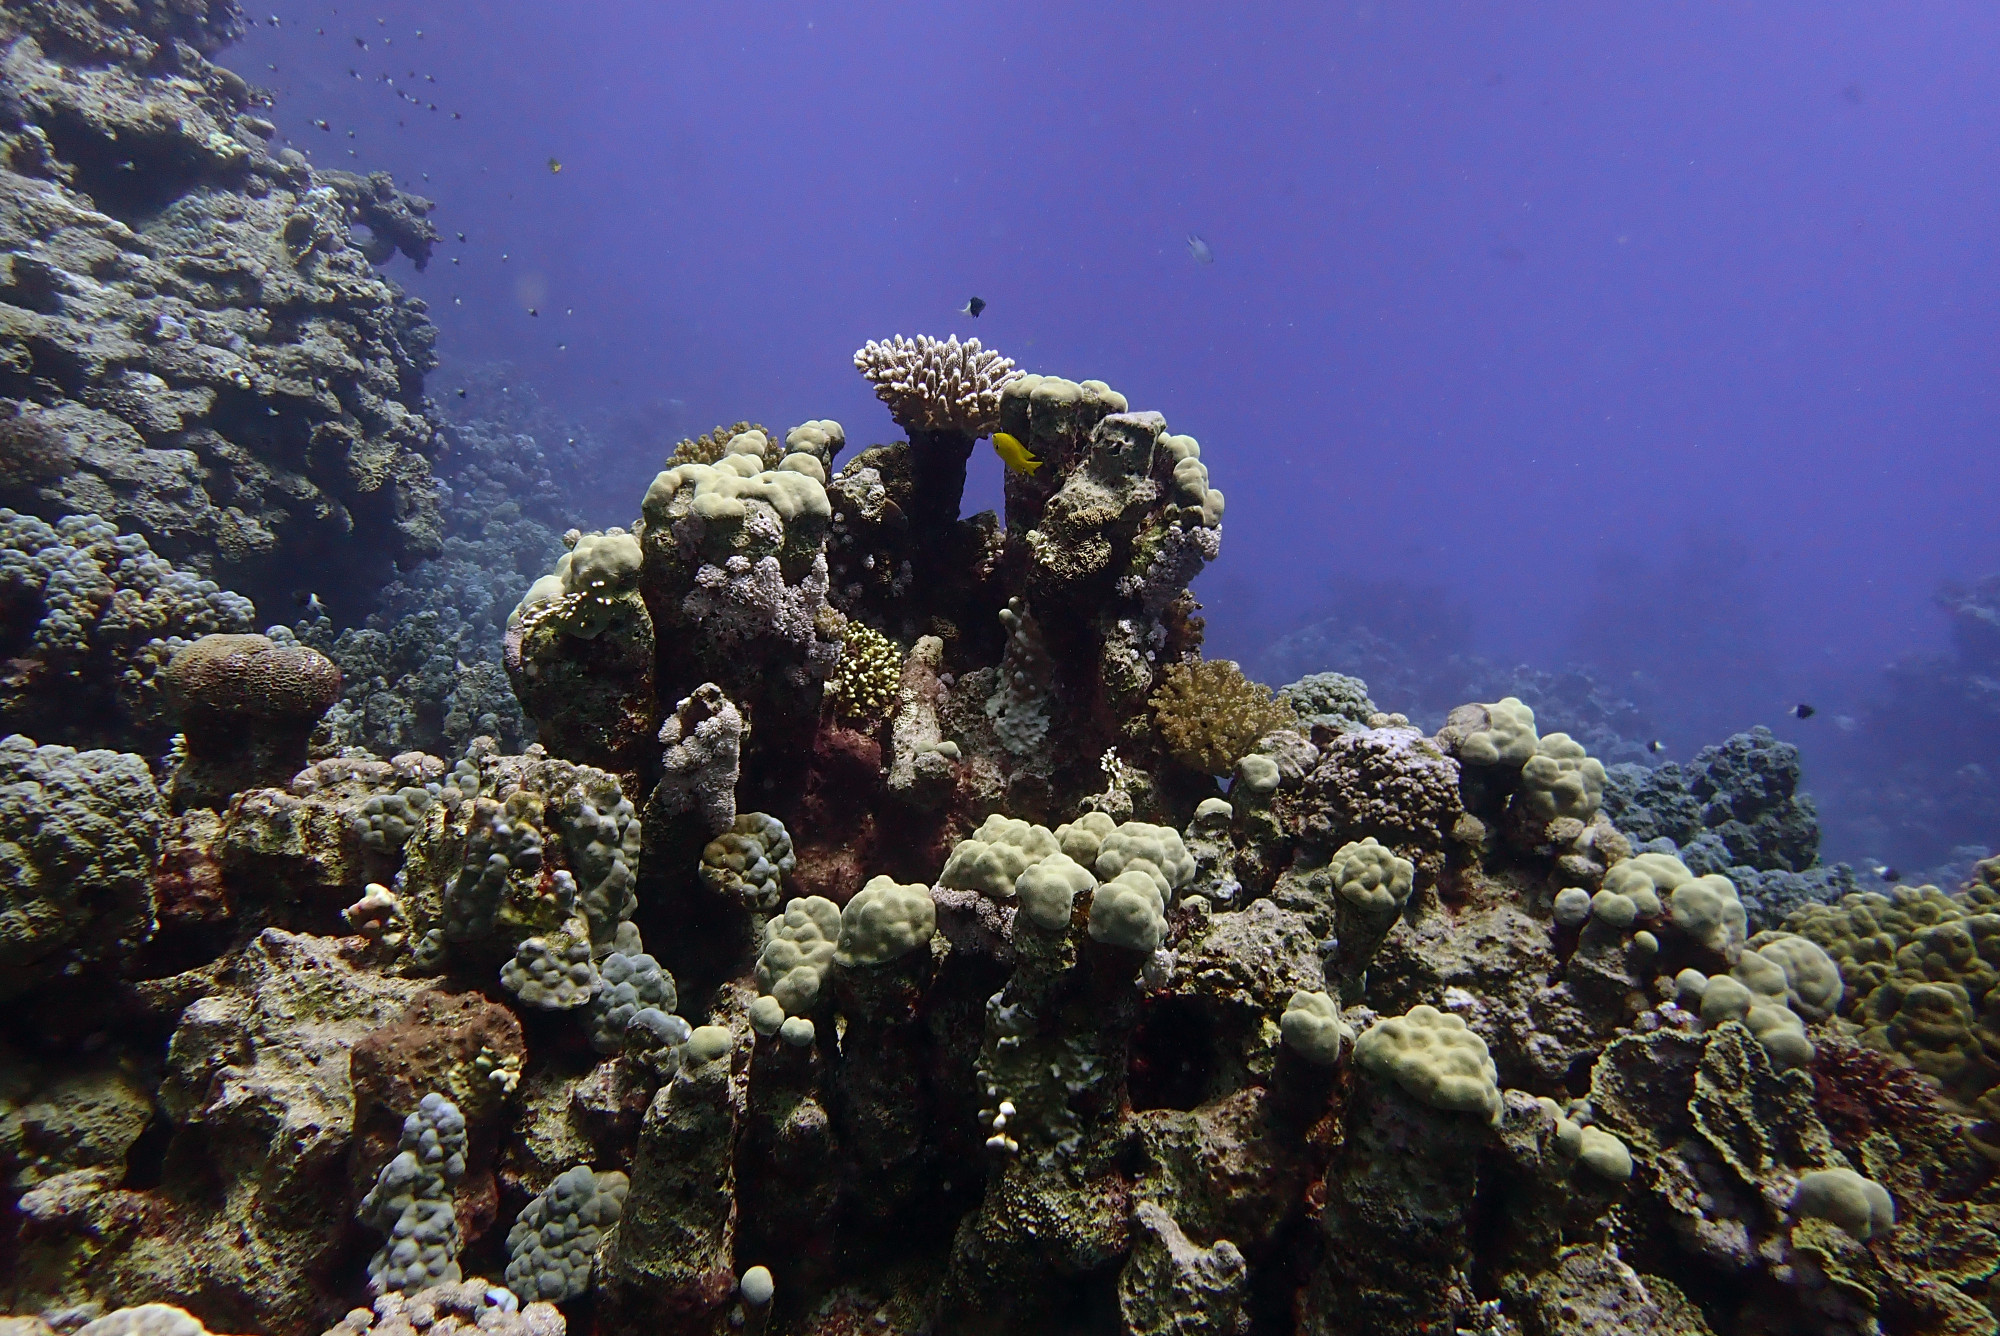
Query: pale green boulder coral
[[1434, 1058], [884, 920]]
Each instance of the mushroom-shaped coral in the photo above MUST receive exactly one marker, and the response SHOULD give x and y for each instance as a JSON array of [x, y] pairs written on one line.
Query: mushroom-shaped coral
[[1128, 911], [933, 385], [1709, 912], [1155, 850], [1435, 1058], [582, 597], [991, 858], [1561, 779], [1312, 1027], [1371, 885], [1499, 734], [1048, 890], [248, 706], [1210, 715]]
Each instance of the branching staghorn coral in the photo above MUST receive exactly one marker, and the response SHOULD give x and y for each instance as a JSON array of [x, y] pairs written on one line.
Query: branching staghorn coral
[[932, 385], [1210, 715]]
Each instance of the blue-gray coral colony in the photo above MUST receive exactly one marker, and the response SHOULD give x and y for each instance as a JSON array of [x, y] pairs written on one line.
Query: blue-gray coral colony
[[867, 940]]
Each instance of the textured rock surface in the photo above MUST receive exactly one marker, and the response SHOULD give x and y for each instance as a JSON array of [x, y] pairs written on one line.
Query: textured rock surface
[[195, 317]]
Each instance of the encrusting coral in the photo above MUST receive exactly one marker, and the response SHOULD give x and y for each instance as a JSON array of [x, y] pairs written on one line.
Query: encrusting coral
[[999, 1012]]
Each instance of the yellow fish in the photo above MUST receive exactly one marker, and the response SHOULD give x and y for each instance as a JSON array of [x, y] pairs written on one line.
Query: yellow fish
[[1013, 454], [554, 165]]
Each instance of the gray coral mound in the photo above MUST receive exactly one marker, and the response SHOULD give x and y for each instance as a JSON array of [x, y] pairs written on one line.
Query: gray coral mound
[[411, 1202], [554, 1241], [98, 614], [78, 835]]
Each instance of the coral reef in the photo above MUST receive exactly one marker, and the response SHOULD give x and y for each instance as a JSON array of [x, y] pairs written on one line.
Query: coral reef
[[1735, 809], [796, 983], [88, 619], [1210, 715], [198, 347]]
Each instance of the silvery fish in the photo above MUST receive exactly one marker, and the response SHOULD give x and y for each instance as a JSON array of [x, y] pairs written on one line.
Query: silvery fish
[[1199, 250]]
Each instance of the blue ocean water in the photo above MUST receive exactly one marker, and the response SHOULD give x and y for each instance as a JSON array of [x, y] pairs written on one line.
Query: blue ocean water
[[1653, 341]]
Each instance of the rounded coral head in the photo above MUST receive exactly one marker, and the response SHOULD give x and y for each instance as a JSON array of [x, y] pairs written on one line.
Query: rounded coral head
[[251, 676], [1435, 1058]]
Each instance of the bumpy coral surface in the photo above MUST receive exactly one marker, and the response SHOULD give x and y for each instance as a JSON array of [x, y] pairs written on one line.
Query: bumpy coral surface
[[88, 619], [726, 1006], [197, 314]]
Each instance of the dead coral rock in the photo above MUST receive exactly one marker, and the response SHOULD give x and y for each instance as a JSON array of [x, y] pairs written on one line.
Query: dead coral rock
[[249, 706], [1492, 965], [458, 1309], [1590, 1292], [257, 1084], [1172, 1285], [1391, 783], [1229, 1169], [673, 1252], [458, 1045], [85, 1119], [173, 269]]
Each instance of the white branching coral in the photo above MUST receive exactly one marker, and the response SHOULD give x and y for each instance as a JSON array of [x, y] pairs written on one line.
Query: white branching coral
[[933, 385]]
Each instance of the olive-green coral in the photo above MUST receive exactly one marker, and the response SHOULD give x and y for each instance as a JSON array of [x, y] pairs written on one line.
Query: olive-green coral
[[1210, 715], [1920, 969], [864, 687], [713, 445]]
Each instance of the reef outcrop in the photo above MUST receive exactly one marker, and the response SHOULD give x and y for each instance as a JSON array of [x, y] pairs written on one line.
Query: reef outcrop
[[870, 943], [195, 343]]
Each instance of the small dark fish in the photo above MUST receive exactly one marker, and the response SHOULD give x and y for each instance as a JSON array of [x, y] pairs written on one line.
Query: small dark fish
[[1200, 250], [1889, 875], [461, 236], [974, 307], [455, 116], [361, 42], [1656, 746], [323, 125], [533, 311], [461, 394], [1802, 711], [555, 167]]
